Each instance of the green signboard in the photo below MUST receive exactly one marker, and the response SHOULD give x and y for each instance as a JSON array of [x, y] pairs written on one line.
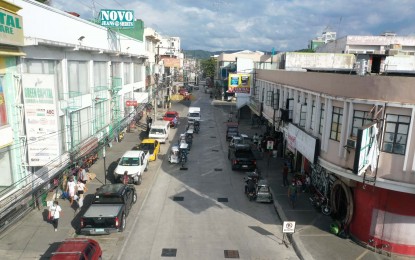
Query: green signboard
[[117, 18]]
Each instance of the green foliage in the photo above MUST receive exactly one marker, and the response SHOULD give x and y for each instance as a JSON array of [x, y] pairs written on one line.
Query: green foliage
[[306, 50], [208, 66]]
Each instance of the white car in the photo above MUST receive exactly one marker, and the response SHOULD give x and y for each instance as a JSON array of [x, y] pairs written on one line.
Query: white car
[[135, 163]]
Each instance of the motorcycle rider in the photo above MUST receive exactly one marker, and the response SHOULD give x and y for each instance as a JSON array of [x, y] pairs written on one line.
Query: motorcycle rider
[[250, 186]]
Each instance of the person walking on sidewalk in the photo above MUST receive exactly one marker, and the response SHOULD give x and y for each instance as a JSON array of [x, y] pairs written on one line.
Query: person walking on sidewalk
[[285, 175], [54, 214], [81, 187], [70, 189], [292, 193], [125, 178]]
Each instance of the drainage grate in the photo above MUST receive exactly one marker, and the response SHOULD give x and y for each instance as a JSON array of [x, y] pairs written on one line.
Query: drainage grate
[[222, 199], [169, 252], [213, 137], [211, 127], [178, 198], [215, 150], [183, 168], [231, 254], [218, 169]]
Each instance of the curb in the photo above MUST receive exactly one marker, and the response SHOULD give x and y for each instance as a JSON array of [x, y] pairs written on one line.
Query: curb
[[296, 242]]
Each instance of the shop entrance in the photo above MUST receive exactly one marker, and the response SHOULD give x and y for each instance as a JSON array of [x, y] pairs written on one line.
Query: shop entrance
[[341, 202]]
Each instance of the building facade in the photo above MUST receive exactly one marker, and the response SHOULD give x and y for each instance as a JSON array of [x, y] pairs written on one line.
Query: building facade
[[354, 135], [69, 89]]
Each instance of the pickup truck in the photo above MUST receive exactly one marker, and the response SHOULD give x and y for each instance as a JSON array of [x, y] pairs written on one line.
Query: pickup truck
[[242, 157], [135, 163], [231, 130], [109, 210]]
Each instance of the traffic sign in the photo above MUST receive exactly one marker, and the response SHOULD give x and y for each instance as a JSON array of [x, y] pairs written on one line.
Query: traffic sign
[[131, 103], [288, 227], [270, 145]]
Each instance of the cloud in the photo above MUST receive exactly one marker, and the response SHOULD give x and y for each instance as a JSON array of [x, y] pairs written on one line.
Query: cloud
[[259, 25]]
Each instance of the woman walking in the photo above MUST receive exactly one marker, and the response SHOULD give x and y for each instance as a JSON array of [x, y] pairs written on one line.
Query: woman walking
[[70, 189], [54, 214], [81, 187]]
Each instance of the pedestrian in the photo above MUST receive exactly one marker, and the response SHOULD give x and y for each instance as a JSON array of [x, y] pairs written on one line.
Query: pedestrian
[[70, 189], [81, 187], [259, 146], [82, 175], [125, 178], [255, 139], [306, 183], [54, 214], [285, 175], [292, 193]]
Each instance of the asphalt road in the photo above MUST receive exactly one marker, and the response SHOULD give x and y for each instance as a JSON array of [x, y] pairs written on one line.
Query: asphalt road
[[200, 212]]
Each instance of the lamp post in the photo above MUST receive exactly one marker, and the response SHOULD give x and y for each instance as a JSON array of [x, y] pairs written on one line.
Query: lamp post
[[105, 167]]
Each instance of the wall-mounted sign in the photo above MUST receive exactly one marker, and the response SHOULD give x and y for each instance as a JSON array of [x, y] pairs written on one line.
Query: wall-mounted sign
[[117, 18], [367, 149], [11, 28], [41, 119], [239, 83], [131, 103], [302, 142]]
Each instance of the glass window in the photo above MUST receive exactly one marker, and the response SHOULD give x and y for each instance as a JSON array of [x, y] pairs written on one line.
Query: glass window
[[137, 73], [78, 78], [360, 118], [336, 123], [62, 133], [127, 73], [322, 121], [313, 108], [303, 115], [100, 74], [3, 112], [396, 133], [32, 66], [80, 126]]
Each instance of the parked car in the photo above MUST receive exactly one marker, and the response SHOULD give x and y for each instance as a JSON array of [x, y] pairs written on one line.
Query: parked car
[[135, 163], [231, 130], [263, 192], [151, 146], [242, 157], [109, 210], [172, 117], [239, 139], [78, 248]]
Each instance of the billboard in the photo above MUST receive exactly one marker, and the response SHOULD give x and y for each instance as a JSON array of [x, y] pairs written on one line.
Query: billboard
[[239, 83], [41, 119], [367, 149], [117, 18]]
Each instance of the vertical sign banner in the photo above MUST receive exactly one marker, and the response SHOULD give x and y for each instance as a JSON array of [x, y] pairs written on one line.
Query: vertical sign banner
[[367, 149], [41, 118], [3, 112]]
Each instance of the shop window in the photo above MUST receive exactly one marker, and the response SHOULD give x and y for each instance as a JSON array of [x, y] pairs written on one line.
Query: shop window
[[3, 112], [336, 123], [396, 133], [322, 119], [360, 118], [6, 168], [78, 78]]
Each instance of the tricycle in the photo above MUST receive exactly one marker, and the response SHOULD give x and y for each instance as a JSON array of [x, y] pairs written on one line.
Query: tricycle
[[184, 149]]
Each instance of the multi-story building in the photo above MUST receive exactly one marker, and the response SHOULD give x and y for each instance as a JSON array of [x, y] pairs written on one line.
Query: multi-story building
[[68, 90], [354, 134]]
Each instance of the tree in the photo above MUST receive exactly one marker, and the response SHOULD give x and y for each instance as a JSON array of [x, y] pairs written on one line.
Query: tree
[[209, 67]]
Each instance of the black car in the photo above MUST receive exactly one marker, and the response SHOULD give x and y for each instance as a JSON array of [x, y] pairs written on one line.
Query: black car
[[242, 157], [109, 210]]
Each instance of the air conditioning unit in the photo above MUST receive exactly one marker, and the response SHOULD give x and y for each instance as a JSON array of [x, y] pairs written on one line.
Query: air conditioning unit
[[351, 143]]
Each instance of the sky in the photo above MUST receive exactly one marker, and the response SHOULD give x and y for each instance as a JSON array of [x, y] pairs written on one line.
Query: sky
[[285, 25]]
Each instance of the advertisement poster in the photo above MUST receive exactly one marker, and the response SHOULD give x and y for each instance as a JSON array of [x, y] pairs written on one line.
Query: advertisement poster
[[239, 83], [3, 112], [41, 119]]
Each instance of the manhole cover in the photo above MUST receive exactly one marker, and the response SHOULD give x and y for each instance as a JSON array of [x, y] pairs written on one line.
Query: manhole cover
[[169, 252], [218, 169], [214, 150], [222, 199], [178, 198], [231, 254]]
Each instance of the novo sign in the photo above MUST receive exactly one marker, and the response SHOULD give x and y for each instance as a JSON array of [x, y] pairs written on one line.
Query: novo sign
[[117, 18], [299, 140], [11, 28]]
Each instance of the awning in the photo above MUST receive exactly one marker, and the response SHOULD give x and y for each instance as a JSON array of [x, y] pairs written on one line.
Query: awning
[[8, 50]]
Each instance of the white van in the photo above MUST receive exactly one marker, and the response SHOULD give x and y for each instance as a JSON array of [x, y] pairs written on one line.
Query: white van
[[194, 114], [159, 131]]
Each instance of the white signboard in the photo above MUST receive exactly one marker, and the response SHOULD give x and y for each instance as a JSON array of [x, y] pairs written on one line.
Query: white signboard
[[270, 145], [288, 227], [302, 142], [41, 118]]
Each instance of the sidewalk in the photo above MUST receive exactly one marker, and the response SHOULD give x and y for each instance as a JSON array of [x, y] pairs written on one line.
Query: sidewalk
[[34, 238], [312, 238]]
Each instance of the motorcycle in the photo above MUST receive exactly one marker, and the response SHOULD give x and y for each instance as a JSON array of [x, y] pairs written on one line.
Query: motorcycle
[[251, 195], [321, 203]]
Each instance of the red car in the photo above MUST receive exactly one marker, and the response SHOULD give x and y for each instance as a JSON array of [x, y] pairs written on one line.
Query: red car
[[78, 248], [171, 116]]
